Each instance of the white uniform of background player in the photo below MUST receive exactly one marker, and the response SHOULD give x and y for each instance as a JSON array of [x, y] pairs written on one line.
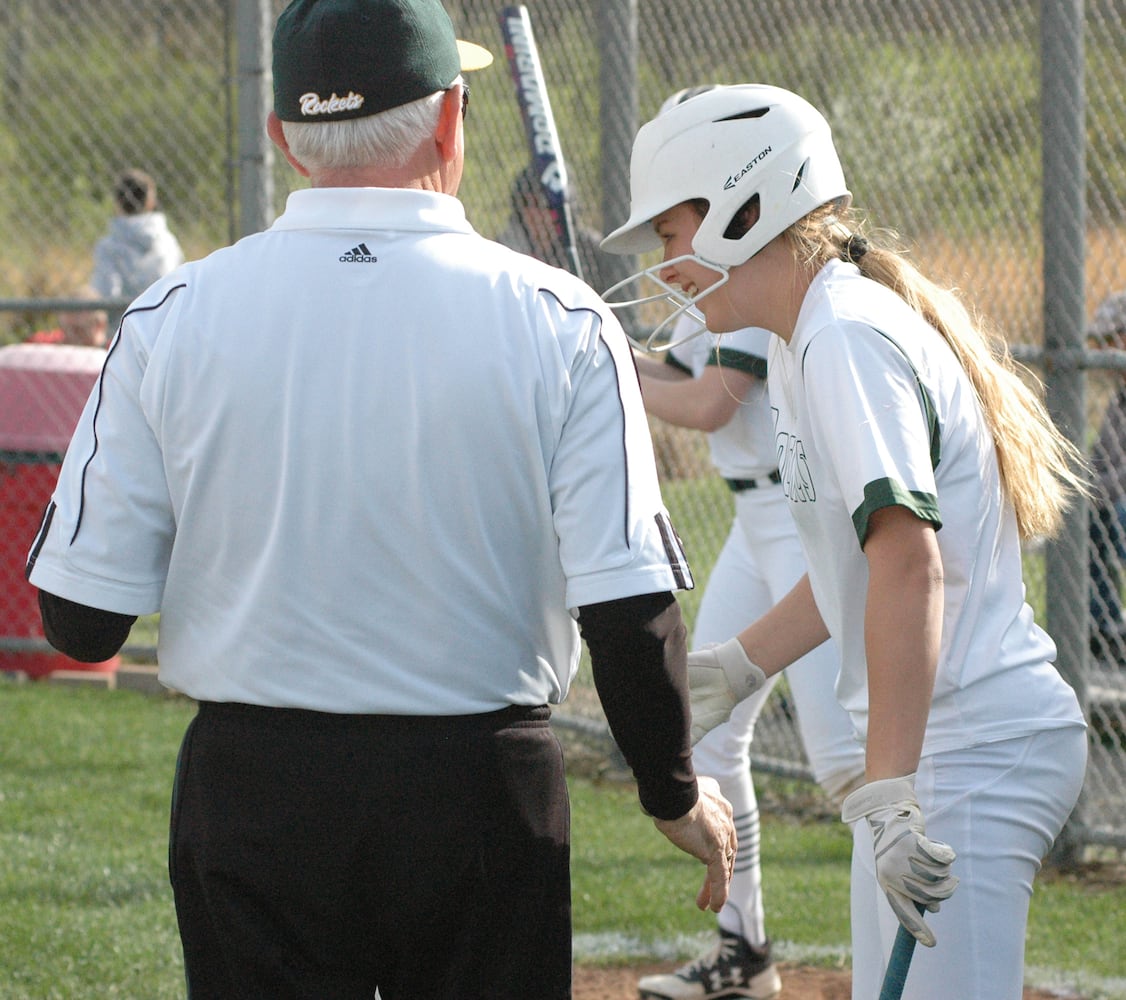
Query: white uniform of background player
[[760, 561]]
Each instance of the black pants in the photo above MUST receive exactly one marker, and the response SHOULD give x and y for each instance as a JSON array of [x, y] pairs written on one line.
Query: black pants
[[324, 856]]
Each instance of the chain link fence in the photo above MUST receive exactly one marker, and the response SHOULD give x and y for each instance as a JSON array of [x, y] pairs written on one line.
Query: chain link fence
[[990, 134]]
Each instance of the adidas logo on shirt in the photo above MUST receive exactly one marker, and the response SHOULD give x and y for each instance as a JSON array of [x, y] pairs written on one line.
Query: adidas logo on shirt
[[359, 255]]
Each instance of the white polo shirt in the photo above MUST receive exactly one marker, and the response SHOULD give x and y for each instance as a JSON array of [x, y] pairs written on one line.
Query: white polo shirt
[[363, 462], [873, 409]]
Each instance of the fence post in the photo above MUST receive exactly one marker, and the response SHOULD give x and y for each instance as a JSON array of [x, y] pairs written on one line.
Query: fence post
[[253, 30], [1063, 139], [618, 117]]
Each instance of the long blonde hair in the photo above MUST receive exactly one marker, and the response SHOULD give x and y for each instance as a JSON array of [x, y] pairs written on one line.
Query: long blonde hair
[[1041, 470]]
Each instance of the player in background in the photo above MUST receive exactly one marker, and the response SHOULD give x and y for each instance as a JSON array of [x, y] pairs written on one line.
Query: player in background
[[717, 384], [531, 229], [915, 459], [377, 473]]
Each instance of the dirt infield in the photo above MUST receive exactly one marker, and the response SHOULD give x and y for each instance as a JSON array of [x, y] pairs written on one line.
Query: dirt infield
[[799, 982]]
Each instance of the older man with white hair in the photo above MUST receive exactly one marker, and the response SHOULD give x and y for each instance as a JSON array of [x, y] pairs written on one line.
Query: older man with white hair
[[376, 473]]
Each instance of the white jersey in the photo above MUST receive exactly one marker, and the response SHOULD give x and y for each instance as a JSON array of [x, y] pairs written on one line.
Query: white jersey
[[363, 462], [743, 448], [872, 409]]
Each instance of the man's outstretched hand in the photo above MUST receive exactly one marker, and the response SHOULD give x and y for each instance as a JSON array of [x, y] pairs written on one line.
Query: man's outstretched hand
[[707, 832]]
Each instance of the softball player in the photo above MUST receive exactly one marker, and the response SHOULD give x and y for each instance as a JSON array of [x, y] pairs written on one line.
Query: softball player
[[914, 459], [376, 473], [717, 384]]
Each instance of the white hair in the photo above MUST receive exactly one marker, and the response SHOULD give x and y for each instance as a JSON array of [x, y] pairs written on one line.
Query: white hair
[[386, 139]]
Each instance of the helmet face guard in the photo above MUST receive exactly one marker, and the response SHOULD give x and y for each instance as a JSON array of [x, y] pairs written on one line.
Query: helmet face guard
[[729, 146], [655, 340]]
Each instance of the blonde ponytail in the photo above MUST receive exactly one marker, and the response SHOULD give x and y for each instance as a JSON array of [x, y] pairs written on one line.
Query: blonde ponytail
[[1041, 470]]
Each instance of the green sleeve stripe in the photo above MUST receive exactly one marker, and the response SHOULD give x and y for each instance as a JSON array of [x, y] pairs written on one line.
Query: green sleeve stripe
[[749, 364], [930, 411], [889, 493], [926, 401], [680, 366]]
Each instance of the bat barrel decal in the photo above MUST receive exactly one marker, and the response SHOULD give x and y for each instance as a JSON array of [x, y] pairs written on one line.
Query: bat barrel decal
[[539, 123]]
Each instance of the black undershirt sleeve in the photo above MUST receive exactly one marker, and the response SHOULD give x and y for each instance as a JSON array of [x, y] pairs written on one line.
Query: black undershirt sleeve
[[86, 634], [637, 649]]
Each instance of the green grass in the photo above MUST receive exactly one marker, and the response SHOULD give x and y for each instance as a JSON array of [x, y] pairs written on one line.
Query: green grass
[[85, 905], [86, 910], [627, 877]]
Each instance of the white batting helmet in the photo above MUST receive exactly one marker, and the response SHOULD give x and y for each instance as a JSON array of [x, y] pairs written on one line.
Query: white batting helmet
[[682, 95], [728, 145]]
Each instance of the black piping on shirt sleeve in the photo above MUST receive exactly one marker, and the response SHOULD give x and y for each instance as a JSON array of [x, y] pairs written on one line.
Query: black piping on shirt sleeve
[[638, 650]]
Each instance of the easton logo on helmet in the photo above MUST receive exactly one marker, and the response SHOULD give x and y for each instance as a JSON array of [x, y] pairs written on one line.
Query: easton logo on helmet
[[733, 180]]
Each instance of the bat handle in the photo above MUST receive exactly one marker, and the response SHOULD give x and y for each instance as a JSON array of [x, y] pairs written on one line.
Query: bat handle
[[899, 962], [575, 262]]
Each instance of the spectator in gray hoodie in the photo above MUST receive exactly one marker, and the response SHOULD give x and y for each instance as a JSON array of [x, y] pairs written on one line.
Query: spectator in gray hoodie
[[139, 247]]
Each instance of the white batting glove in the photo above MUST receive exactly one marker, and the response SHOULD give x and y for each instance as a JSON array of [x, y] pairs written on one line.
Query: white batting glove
[[910, 868], [719, 677]]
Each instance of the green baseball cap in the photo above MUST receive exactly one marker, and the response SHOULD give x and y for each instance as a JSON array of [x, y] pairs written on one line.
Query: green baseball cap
[[340, 59]]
